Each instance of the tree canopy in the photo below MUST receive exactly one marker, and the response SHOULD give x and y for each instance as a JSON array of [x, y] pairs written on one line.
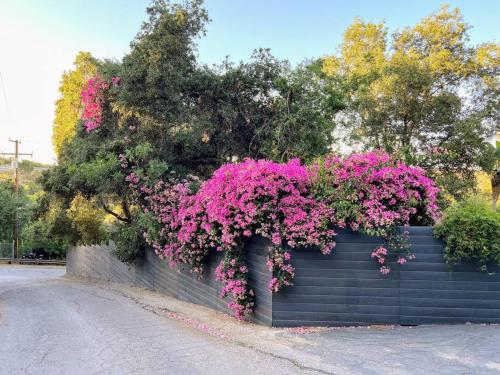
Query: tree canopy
[[167, 113], [420, 93], [423, 94], [68, 106]]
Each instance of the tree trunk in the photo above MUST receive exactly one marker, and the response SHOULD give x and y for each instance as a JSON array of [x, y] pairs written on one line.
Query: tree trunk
[[495, 189]]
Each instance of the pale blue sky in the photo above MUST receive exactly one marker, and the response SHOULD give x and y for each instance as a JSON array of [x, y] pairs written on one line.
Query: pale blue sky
[[39, 39]]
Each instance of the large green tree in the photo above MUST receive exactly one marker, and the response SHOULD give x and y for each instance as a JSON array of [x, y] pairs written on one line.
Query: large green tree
[[261, 109], [10, 202], [197, 117], [168, 113], [424, 94]]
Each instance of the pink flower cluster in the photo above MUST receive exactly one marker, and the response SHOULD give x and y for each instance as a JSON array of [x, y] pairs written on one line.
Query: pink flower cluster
[[272, 200], [288, 203], [279, 262], [266, 198], [93, 99], [373, 193], [182, 237], [232, 273], [380, 253], [372, 190], [238, 201]]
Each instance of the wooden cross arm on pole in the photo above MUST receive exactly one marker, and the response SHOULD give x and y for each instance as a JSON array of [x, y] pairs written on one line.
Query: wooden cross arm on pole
[[14, 154]]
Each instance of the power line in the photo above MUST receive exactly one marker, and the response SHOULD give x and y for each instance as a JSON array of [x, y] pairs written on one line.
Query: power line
[[2, 83]]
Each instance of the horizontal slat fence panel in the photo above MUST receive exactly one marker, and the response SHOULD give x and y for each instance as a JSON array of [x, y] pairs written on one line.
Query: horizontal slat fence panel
[[341, 288], [152, 273], [346, 287]]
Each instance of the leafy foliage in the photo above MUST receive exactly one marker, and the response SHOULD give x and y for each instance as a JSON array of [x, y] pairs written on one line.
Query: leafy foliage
[[471, 231], [406, 97], [158, 71], [490, 165], [87, 220], [163, 111], [40, 226], [262, 109], [302, 125], [49, 228], [129, 241], [7, 210], [69, 104]]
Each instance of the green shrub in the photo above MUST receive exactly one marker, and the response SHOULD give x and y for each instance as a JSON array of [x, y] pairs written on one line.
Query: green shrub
[[129, 240], [471, 232], [129, 243]]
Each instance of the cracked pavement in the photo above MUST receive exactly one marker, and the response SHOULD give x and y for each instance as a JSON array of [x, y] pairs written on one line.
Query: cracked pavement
[[50, 324]]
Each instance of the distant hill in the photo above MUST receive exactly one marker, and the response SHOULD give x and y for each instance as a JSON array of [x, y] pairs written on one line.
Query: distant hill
[[29, 170]]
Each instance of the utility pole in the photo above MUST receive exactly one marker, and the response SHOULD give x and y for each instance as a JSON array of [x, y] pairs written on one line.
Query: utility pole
[[16, 154]]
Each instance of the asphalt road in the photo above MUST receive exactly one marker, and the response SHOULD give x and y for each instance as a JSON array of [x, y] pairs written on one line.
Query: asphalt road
[[52, 325]]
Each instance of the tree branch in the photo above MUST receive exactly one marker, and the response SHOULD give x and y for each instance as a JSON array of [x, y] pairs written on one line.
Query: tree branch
[[111, 212], [126, 209]]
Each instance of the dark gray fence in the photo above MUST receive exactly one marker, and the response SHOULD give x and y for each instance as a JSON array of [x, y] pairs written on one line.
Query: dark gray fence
[[342, 288], [346, 287], [152, 273]]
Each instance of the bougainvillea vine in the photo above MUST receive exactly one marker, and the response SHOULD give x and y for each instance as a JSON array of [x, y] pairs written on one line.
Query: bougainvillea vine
[[93, 100], [240, 200], [288, 203], [375, 194]]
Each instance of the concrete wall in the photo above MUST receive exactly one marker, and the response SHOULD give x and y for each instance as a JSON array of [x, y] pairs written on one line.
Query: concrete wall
[[343, 288]]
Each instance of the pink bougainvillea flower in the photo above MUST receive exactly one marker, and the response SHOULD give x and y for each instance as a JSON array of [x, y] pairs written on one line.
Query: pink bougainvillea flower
[[93, 98], [374, 193], [240, 200], [284, 203]]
